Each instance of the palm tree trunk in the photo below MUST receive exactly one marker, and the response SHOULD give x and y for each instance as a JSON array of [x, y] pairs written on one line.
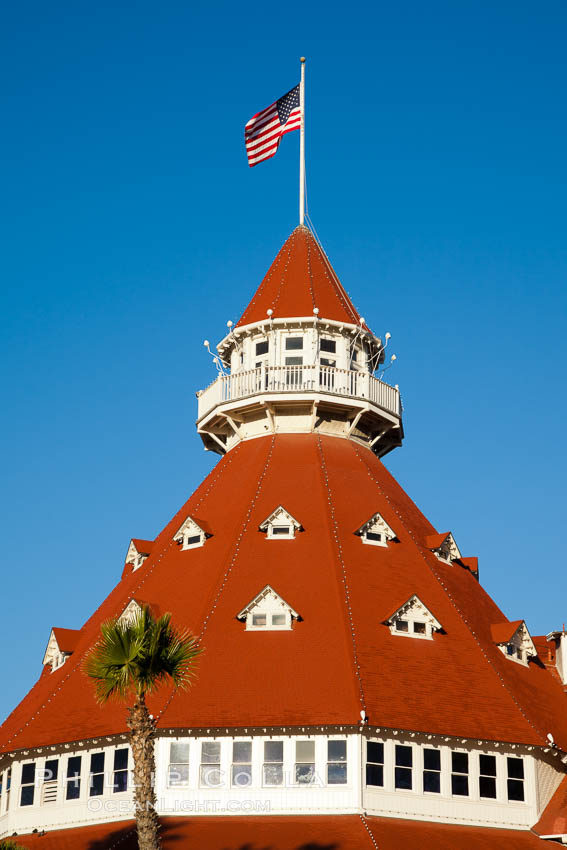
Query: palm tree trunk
[[142, 734]]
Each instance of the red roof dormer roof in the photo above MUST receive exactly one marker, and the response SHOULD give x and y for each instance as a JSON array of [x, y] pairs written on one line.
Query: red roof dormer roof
[[299, 280]]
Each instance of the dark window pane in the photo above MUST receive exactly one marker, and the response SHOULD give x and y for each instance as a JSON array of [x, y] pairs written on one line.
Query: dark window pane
[[375, 752], [191, 541], [120, 759], [280, 529], [242, 752], [487, 787], [374, 535], [401, 625], [97, 784], [294, 361], [293, 343], [515, 768], [241, 775], [336, 750], [120, 781], [460, 762], [73, 790], [27, 795], [403, 778], [261, 348], [460, 785], [403, 756], [28, 773], [374, 774], [97, 762], [431, 782], [325, 361], [273, 751], [304, 773], [488, 765], [329, 345], [73, 766], [51, 770], [419, 628], [432, 759], [515, 789], [336, 774]]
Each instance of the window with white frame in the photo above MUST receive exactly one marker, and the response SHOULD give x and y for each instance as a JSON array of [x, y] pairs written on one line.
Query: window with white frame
[[27, 791], [280, 525], [375, 763], [376, 531], [241, 775], [336, 762], [49, 785], [178, 769], [73, 780], [262, 347], [268, 612], [120, 772], [515, 781], [273, 763], [190, 535], [487, 776], [514, 641], [413, 619], [304, 762], [96, 779], [210, 772], [327, 345], [431, 770], [8, 786], [403, 773], [293, 343], [459, 774]]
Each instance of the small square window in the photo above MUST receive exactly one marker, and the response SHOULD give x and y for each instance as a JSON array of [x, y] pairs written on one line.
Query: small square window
[[259, 619], [293, 343], [329, 345], [419, 628], [402, 626], [278, 619], [261, 348]]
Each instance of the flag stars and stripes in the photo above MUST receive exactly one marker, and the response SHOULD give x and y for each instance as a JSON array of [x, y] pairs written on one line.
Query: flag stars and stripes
[[263, 133]]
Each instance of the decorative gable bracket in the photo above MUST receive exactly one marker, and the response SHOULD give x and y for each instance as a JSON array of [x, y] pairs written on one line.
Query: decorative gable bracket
[[514, 641], [192, 533], [280, 525], [376, 531], [444, 546], [414, 619], [268, 612]]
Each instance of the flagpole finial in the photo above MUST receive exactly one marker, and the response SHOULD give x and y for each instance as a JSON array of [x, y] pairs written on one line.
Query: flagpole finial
[[302, 58]]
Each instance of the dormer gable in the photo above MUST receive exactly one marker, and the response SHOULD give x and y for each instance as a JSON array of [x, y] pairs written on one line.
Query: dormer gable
[[268, 612], [130, 613], [414, 619], [514, 641], [138, 551], [376, 531], [280, 525], [60, 646], [444, 546], [192, 533]]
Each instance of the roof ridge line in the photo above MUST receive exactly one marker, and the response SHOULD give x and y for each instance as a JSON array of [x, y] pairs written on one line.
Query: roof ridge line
[[453, 602], [323, 467]]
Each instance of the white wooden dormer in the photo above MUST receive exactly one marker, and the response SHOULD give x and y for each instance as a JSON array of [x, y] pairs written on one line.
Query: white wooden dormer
[[60, 646], [514, 641], [138, 551], [130, 613], [280, 525], [192, 534], [443, 546], [376, 531], [268, 612], [414, 619]]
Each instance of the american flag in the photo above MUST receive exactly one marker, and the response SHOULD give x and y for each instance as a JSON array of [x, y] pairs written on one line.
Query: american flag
[[263, 132]]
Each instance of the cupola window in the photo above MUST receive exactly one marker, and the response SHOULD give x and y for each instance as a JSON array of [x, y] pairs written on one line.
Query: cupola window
[[514, 641], [294, 343], [262, 347], [328, 345], [268, 612], [192, 534], [376, 531], [27, 791], [280, 525], [413, 619]]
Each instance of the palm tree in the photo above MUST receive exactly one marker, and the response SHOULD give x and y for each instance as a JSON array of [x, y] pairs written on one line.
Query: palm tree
[[131, 659]]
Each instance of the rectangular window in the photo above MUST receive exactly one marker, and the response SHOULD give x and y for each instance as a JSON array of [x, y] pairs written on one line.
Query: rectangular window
[[460, 774], [96, 784], [304, 762], [515, 779], [401, 625], [28, 784], [259, 620], [325, 361], [329, 345], [294, 361], [178, 772], [278, 620], [120, 778], [8, 786], [273, 762], [210, 774], [404, 767], [336, 763], [487, 777], [374, 535], [73, 784], [374, 763], [280, 529], [293, 343], [194, 540], [49, 788], [261, 348], [242, 764], [419, 628], [432, 771]]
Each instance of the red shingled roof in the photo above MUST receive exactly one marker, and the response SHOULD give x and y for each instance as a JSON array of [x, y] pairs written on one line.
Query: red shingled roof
[[66, 638], [554, 819], [300, 279], [504, 632], [144, 547], [331, 486], [292, 832]]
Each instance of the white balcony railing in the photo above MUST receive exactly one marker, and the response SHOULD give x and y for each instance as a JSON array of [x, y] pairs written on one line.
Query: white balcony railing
[[299, 379]]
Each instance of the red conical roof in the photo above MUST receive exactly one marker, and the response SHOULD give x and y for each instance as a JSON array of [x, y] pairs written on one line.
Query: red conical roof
[[340, 657], [300, 279]]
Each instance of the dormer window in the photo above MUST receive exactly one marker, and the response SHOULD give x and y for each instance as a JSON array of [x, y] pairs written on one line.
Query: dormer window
[[60, 647], [376, 531], [413, 619], [138, 551], [280, 525], [130, 613], [443, 546], [192, 534], [514, 641], [268, 612]]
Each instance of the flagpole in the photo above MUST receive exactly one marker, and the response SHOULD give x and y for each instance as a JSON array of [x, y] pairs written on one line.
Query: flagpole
[[302, 144]]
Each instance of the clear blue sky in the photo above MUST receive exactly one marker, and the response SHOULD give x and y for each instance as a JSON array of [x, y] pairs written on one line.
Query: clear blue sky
[[132, 228]]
